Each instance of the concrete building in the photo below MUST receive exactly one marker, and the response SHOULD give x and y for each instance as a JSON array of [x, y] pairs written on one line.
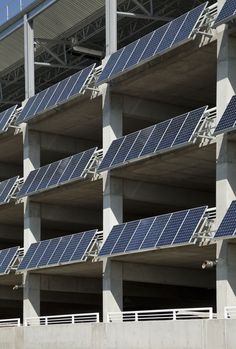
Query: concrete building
[[155, 297]]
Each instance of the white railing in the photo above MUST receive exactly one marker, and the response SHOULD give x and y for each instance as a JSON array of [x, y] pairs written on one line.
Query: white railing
[[165, 314], [10, 323], [62, 319], [230, 312]]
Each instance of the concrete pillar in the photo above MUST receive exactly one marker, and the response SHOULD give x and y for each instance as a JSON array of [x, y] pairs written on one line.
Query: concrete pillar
[[111, 26], [112, 202], [32, 224], [225, 168]]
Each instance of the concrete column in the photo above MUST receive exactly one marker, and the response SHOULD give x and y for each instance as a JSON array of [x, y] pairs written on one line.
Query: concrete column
[[112, 202], [225, 168], [111, 26], [32, 224]]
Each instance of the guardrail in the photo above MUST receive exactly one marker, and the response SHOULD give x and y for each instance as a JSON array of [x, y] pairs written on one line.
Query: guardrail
[[10, 323], [230, 312], [164, 314], [62, 319]]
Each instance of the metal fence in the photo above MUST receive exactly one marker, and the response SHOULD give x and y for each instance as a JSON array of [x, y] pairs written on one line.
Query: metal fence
[[62, 319], [164, 314], [10, 322]]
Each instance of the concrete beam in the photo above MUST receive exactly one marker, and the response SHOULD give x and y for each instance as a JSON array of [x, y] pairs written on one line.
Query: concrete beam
[[73, 215], [168, 275], [148, 110], [71, 284], [164, 195], [63, 144]]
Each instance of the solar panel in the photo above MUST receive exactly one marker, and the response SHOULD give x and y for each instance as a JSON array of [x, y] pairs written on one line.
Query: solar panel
[[6, 189], [227, 227], [154, 44], [227, 13], [7, 256], [154, 232], [61, 250], [6, 117], [55, 95], [66, 170], [228, 119], [164, 136]]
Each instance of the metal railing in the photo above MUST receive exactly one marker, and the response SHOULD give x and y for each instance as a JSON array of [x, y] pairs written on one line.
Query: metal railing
[[10, 323], [230, 312], [165, 314], [62, 319]]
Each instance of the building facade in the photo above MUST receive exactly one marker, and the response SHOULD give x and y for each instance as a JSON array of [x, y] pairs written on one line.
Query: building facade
[[117, 167]]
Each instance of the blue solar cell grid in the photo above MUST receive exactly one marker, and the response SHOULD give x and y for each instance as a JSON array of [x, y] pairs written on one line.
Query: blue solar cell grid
[[164, 136], [28, 256], [6, 117], [150, 233], [227, 227], [228, 119], [6, 188], [227, 13], [61, 250], [6, 258], [55, 95], [153, 44], [59, 172]]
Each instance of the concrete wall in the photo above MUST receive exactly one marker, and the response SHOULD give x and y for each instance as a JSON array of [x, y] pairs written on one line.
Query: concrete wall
[[191, 334]]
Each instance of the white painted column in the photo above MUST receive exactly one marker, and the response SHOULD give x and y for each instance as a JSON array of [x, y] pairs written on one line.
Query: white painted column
[[225, 168]]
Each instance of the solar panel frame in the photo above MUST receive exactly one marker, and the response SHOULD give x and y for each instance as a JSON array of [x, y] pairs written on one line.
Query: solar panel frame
[[53, 96], [6, 188], [198, 11], [228, 223], [227, 13], [33, 183], [28, 256], [111, 237], [6, 117], [41, 253], [183, 236], [8, 259], [152, 233], [227, 122], [163, 137]]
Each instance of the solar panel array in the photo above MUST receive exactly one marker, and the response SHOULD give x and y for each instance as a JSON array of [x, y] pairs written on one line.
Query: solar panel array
[[154, 44], [7, 256], [227, 227], [161, 137], [228, 119], [61, 250], [6, 188], [55, 95], [6, 117], [166, 230], [65, 170], [227, 12]]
